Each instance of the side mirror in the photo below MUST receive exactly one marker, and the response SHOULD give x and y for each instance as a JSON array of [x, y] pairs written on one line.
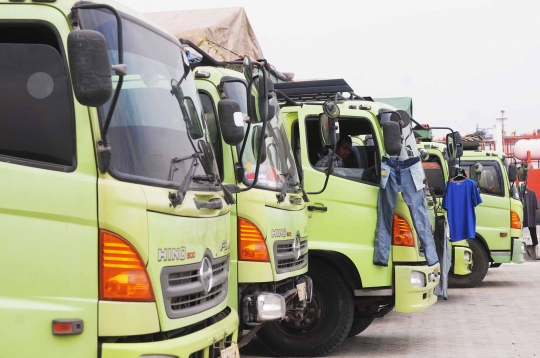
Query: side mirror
[[454, 143], [327, 130], [248, 69], [523, 172], [256, 141], [331, 109], [475, 171], [90, 67], [263, 96], [392, 138], [387, 115], [231, 121], [405, 118], [424, 155], [512, 173]]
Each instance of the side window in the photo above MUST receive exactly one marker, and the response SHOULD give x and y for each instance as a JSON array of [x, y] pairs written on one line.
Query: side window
[[490, 181], [213, 128], [434, 176], [36, 117], [356, 155]]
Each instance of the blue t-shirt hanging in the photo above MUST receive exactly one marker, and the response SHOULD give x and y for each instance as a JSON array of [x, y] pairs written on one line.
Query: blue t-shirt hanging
[[459, 201]]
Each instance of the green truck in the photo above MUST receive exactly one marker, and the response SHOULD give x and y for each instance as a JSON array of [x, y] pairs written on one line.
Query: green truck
[[269, 258], [115, 228], [349, 291], [499, 236]]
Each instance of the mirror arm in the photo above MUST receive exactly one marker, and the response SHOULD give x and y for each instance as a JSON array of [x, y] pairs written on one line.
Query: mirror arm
[[104, 149], [259, 155], [328, 172]]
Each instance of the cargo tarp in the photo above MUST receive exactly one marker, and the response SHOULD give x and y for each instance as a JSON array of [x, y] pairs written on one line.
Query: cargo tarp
[[224, 33], [404, 103]]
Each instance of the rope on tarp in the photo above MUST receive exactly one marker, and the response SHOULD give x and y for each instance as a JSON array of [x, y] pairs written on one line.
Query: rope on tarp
[[215, 45]]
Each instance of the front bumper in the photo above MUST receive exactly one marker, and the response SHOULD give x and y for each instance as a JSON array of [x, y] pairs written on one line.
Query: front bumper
[[518, 249], [412, 299], [217, 336], [463, 260]]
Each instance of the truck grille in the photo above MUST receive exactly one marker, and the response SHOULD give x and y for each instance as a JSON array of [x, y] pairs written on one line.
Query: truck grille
[[184, 293], [284, 255]]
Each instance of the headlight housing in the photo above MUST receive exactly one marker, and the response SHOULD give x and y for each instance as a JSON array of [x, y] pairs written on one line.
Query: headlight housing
[[418, 279], [270, 307]]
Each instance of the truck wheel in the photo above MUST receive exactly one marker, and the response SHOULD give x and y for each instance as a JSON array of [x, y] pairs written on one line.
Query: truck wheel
[[479, 268], [359, 325], [325, 325]]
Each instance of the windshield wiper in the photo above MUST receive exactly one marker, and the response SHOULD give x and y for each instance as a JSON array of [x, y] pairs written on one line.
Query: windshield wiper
[[285, 187], [178, 197]]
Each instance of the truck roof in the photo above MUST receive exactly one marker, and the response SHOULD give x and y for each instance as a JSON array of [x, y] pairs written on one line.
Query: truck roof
[[65, 7]]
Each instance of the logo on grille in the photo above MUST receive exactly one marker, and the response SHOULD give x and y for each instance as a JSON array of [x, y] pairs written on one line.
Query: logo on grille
[[296, 246], [206, 275]]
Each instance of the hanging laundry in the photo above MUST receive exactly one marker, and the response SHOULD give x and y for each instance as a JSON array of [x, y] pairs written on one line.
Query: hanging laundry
[[460, 199], [530, 205]]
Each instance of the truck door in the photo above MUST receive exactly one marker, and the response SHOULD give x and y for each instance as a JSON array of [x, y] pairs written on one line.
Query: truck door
[[48, 199], [493, 215], [343, 218]]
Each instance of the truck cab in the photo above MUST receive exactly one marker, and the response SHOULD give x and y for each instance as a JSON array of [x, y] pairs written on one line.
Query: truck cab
[[350, 291], [269, 256], [499, 237], [114, 228]]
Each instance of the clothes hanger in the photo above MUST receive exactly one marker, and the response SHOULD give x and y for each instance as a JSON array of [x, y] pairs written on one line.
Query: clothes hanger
[[460, 174]]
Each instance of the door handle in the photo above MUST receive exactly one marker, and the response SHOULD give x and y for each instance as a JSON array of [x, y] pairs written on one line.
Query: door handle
[[214, 203], [318, 208]]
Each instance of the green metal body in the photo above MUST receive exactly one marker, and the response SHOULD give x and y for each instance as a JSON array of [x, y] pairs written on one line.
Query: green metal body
[[343, 234], [258, 205], [49, 244], [502, 243]]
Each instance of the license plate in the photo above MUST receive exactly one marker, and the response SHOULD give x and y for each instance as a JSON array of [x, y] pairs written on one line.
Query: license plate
[[302, 292], [230, 352]]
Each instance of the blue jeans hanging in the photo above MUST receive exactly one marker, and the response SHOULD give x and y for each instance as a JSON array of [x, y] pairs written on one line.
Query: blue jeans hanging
[[405, 176]]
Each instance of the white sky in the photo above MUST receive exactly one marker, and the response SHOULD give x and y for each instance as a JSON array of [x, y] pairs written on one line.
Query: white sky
[[462, 61]]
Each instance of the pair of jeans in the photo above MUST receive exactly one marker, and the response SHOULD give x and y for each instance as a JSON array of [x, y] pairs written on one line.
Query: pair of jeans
[[407, 177]]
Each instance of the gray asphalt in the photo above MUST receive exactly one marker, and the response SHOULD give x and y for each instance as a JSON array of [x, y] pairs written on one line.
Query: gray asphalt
[[499, 318]]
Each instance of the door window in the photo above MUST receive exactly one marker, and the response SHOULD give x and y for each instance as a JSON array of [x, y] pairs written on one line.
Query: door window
[[36, 120], [358, 164], [490, 181]]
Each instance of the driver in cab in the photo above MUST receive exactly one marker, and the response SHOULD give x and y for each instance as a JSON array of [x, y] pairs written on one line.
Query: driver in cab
[[343, 150]]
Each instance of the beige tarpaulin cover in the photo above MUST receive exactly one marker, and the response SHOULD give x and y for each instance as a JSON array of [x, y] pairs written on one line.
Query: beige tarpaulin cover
[[213, 30]]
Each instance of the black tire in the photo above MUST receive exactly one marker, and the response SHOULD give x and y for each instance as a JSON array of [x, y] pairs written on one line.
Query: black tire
[[479, 268], [359, 325], [332, 316]]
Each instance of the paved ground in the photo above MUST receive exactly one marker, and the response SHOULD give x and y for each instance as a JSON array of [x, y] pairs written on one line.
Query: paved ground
[[500, 318]]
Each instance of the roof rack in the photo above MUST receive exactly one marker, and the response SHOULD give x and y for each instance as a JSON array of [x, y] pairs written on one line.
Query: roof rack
[[319, 90]]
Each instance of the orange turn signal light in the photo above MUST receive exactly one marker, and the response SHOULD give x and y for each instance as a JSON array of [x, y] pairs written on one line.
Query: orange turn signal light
[[123, 275], [515, 222], [251, 243], [402, 234]]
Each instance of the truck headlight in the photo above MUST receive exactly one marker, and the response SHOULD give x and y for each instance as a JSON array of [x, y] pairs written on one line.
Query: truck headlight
[[418, 279], [270, 307], [467, 256]]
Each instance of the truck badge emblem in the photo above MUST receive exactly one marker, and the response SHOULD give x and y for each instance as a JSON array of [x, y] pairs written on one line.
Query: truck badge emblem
[[172, 254], [206, 275], [280, 233]]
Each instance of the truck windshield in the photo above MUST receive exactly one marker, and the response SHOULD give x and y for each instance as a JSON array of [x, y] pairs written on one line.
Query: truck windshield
[[278, 168], [156, 131]]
